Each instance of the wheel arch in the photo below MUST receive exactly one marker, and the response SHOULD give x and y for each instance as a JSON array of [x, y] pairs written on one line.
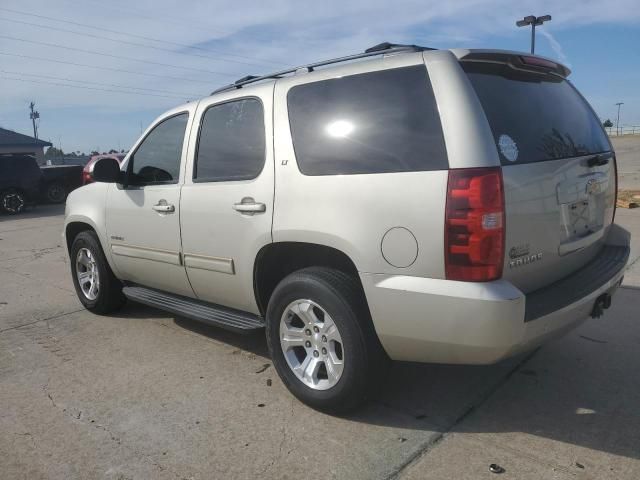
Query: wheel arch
[[77, 224], [277, 260], [73, 228]]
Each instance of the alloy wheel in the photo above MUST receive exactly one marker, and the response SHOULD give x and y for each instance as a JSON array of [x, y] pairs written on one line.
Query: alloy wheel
[[87, 273], [13, 202], [311, 344]]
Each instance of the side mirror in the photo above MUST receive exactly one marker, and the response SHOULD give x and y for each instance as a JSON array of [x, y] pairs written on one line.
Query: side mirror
[[107, 170]]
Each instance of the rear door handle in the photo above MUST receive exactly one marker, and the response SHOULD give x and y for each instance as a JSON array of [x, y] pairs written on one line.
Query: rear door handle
[[163, 207], [249, 205]]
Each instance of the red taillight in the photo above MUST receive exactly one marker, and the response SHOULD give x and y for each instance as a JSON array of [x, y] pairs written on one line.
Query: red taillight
[[615, 195], [86, 177], [474, 225]]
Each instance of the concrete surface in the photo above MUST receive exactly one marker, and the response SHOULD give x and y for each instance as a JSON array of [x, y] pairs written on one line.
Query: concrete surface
[[145, 395], [570, 412], [627, 149]]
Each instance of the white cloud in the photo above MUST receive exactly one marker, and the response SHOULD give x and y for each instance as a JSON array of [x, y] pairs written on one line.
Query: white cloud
[[271, 33], [555, 45]]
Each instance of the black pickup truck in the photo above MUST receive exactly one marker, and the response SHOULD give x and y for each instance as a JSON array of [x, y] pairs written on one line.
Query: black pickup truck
[[23, 183], [58, 181], [20, 181]]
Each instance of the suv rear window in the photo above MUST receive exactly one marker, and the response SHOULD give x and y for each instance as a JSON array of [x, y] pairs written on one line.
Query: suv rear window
[[535, 116], [379, 122]]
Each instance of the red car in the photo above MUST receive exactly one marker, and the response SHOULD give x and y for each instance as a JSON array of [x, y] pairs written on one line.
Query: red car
[[87, 172]]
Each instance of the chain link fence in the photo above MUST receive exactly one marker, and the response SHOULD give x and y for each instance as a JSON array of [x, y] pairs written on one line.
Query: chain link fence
[[623, 130]]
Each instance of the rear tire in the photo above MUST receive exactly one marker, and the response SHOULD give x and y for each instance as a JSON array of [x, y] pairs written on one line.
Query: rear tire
[[321, 340], [96, 286], [56, 192], [12, 201]]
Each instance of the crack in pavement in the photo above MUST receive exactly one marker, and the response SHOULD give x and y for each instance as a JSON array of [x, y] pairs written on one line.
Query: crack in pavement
[[278, 455], [429, 444], [629, 265], [31, 438], [54, 317], [30, 277], [34, 255], [78, 418]]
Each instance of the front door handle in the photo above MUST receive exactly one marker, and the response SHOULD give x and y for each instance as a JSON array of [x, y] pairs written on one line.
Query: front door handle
[[250, 206], [163, 207]]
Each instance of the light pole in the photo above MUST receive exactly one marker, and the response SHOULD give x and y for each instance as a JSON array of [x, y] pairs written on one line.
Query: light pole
[[533, 21], [618, 121]]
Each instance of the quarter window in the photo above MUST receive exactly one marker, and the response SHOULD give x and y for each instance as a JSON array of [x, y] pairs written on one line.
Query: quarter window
[[157, 159], [378, 122], [232, 142]]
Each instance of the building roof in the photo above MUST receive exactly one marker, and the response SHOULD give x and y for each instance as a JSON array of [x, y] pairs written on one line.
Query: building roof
[[9, 138]]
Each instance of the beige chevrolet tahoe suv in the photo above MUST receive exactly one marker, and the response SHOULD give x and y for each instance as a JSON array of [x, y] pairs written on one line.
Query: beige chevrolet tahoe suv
[[448, 206]]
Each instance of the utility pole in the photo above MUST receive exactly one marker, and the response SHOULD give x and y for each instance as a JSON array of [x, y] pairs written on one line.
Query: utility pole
[[618, 121], [35, 115], [60, 149], [533, 21]]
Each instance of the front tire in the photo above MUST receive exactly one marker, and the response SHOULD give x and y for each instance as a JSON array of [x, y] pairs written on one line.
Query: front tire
[[321, 339], [96, 286], [13, 201]]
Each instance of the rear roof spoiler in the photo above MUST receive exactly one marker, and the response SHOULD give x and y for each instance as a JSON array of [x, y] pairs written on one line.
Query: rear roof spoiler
[[518, 60]]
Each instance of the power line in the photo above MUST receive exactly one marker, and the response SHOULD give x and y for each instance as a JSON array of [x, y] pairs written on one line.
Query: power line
[[142, 37], [93, 52], [126, 42], [180, 94], [43, 59], [140, 13], [88, 88]]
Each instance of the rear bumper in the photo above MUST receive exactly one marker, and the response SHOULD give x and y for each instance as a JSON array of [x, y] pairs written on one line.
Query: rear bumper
[[441, 321]]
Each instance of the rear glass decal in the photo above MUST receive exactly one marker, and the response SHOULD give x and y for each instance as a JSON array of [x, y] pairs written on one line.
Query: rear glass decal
[[508, 147]]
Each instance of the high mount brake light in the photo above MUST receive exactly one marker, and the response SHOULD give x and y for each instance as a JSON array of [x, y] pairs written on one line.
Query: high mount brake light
[[474, 225], [538, 62]]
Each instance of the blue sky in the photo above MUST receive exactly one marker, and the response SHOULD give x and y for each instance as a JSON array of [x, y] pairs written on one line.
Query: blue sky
[[172, 51]]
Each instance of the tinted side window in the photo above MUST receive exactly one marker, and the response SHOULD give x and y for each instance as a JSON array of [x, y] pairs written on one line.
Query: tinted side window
[[377, 122], [18, 166], [157, 159], [232, 142]]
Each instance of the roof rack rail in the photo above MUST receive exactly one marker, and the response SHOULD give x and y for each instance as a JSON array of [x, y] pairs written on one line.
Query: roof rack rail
[[380, 49]]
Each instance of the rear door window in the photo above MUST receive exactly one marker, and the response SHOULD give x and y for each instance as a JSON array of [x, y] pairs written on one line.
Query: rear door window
[[378, 122], [535, 116], [232, 142]]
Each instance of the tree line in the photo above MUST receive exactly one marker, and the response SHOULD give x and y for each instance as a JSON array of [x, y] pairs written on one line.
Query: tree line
[[54, 152]]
